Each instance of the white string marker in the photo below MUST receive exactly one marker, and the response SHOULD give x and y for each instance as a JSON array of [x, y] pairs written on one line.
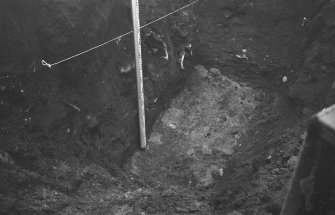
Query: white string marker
[[139, 74], [49, 65]]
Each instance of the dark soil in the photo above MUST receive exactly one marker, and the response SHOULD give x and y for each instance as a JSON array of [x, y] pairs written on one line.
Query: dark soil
[[223, 135]]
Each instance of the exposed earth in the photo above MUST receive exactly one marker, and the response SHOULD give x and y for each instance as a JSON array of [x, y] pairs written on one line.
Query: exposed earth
[[223, 134]]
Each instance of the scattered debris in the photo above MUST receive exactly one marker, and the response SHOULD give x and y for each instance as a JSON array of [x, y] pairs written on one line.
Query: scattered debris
[[243, 56], [155, 43], [187, 50], [74, 106], [182, 61], [304, 20], [27, 120], [268, 159], [171, 125], [118, 40], [93, 192]]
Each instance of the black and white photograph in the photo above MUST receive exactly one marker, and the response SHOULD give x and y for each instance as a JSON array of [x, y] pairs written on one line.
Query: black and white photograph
[[167, 107]]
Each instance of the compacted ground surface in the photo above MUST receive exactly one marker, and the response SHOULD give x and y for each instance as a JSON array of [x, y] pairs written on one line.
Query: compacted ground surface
[[226, 143]]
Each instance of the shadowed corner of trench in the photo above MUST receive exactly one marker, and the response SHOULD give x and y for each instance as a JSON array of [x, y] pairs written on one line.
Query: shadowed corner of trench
[[312, 189]]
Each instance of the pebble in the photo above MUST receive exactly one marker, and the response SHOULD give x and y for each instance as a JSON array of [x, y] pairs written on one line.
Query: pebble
[[268, 159], [221, 172], [292, 162], [171, 125]]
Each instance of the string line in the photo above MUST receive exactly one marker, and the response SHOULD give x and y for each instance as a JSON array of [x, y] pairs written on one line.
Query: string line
[[44, 63]]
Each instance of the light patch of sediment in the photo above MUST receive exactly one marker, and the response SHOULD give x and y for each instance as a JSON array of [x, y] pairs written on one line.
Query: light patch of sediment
[[205, 120]]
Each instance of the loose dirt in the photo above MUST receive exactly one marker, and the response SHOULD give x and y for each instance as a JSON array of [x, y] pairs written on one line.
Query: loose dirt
[[227, 143]]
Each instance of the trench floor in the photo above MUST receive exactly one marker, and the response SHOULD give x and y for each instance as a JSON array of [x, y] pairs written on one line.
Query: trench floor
[[226, 144]]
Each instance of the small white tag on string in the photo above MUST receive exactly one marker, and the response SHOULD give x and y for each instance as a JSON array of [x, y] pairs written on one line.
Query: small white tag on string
[[44, 63]]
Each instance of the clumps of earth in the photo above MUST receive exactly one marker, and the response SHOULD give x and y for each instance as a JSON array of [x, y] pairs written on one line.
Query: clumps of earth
[[229, 86]]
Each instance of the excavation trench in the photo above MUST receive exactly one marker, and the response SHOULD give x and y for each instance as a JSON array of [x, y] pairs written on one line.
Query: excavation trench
[[223, 133], [191, 139]]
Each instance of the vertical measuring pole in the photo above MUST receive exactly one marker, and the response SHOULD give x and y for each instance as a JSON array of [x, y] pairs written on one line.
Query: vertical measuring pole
[[139, 74]]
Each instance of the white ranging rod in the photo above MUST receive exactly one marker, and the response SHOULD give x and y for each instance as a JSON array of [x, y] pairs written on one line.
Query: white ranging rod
[[139, 74]]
